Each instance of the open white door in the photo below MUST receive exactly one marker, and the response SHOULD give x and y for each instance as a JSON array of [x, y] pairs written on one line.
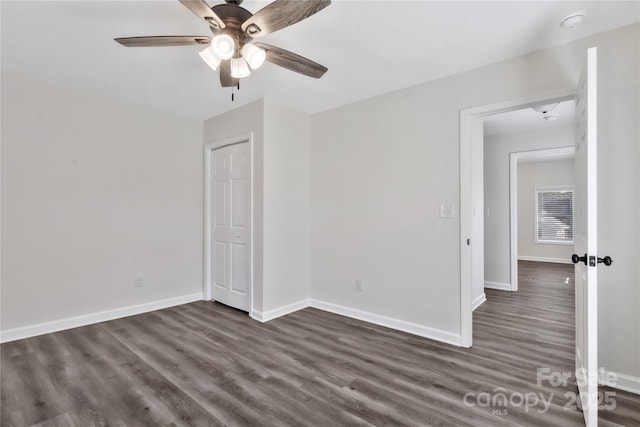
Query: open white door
[[586, 240]]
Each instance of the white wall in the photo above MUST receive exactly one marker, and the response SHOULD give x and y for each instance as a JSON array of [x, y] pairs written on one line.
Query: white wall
[[497, 148], [530, 176], [281, 198], [618, 208], [94, 192], [380, 168], [286, 207]]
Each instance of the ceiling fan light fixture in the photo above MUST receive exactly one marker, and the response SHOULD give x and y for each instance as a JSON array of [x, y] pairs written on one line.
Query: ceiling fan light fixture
[[210, 58], [239, 68], [253, 55], [232, 49], [222, 45]]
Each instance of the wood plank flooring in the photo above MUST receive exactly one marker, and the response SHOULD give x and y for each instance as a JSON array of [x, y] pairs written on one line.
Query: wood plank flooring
[[204, 364]]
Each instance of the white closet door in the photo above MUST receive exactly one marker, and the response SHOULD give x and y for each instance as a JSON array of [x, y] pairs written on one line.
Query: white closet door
[[231, 229]]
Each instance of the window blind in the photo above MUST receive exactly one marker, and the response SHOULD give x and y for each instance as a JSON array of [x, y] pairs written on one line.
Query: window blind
[[554, 216]]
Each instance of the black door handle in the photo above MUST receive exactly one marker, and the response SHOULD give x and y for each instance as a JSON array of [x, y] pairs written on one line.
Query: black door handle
[[606, 261], [576, 259]]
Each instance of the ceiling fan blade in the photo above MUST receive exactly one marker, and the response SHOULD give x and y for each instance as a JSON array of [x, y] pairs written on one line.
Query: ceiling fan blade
[[151, 41], [200, 8], [281, 14], [225, 74], [293, 62]]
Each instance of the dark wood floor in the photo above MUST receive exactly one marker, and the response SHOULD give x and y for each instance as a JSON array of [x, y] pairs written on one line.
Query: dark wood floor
[[205, 364]]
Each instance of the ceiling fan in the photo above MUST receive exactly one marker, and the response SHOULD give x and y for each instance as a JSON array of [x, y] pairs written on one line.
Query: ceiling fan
[[232, 48]]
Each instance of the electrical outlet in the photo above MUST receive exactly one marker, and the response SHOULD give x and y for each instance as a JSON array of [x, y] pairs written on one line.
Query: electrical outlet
[[139, 281], [359, 285]]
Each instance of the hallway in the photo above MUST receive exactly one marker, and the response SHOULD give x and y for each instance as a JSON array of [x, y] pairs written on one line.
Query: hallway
[[533, 329]]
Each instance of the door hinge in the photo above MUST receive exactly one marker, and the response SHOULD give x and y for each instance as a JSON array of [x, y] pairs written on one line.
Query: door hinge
[[468, 242]]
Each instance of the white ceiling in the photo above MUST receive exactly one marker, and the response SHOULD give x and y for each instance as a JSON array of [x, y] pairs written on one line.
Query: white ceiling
[[370, 47], [529, 119]]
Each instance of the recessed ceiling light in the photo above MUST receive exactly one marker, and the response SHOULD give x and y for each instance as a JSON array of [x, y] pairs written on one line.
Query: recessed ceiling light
[[572, 20]]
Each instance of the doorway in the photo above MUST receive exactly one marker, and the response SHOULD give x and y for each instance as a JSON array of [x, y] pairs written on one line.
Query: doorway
[[586, 223], [533, 174], [472, 210], [229, 222]]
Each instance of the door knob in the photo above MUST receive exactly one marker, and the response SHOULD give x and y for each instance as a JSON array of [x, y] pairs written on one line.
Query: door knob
[[606, 261], [576, 259]]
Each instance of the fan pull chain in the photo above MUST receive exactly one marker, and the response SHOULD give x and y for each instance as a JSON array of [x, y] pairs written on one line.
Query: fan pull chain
[[233, 89], [237, 53]]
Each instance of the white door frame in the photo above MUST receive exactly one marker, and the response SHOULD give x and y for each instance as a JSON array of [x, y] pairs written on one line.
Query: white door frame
[[208, 266], [467, 118], [514, 159]]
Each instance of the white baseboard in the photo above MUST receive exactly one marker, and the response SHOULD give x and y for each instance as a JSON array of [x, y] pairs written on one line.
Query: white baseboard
[[280, 311], [480, 299], [544, 259], [497, 285], [389, 322], [622, 382], [88, 319], [401, 325], [103, 316]]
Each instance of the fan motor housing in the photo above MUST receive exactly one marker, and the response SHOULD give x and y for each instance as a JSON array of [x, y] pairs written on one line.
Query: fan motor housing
[[233, 16]]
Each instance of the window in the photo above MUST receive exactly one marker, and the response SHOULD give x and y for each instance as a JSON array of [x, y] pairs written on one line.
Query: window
[[554, 215]]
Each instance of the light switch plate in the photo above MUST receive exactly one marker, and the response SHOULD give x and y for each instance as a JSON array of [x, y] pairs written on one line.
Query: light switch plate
[[446, 211]]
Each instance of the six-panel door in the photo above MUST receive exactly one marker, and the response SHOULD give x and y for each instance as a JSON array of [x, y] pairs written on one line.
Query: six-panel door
[[231, 230]]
